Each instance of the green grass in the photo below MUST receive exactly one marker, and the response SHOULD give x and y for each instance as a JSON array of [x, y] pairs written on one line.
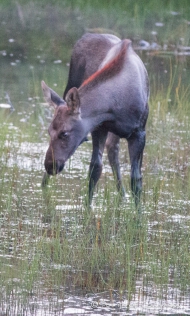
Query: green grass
[[55, 26], [50, 243]]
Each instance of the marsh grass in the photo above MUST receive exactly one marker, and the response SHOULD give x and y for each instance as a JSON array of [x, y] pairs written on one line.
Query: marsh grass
[[49, 239], [50, 243], [55, 26], [47, 248]]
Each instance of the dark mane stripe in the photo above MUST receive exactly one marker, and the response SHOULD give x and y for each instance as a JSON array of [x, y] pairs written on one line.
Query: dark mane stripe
[[111, 68]]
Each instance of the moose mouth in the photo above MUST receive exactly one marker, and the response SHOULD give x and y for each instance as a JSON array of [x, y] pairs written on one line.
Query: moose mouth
[[55, 167]]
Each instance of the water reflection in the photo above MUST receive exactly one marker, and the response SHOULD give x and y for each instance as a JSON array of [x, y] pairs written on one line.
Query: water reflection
[[27, 220], [144, 302], [44, 301]]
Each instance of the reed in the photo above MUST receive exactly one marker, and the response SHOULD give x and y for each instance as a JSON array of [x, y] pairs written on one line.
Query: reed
[[50, 243]]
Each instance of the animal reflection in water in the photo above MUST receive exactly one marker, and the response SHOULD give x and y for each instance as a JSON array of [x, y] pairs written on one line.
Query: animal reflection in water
[[106, 95]]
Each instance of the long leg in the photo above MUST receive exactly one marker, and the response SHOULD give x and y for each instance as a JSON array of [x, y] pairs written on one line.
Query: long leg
[[112, 146], [136, 145], [98, 139]]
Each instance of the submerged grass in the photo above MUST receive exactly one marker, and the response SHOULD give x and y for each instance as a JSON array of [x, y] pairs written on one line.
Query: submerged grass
[[49, 241]]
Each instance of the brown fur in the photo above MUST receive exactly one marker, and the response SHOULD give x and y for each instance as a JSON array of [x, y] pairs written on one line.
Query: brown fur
[[114, 81], [110, 69]]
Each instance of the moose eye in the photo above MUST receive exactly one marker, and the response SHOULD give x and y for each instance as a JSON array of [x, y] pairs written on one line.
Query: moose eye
[[63, 135]]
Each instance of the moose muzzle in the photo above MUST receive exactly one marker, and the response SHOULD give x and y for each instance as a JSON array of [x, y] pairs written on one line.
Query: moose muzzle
[[54, 167]]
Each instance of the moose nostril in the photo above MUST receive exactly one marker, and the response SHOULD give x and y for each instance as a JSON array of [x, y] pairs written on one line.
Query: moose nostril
[[59, 166], [54, 167]]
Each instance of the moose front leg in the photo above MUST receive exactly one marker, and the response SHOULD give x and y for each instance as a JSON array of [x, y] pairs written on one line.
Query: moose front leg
[[136, 145], [112, 146], [98, 143]]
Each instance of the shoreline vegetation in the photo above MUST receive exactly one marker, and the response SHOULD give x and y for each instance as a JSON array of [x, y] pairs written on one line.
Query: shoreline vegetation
[[54, 254], [50, 28]]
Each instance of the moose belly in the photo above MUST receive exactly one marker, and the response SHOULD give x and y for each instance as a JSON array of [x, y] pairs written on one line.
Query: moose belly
[[121, 129]]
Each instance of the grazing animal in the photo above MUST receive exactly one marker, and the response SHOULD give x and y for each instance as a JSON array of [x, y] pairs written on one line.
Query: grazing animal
[[107, 95]]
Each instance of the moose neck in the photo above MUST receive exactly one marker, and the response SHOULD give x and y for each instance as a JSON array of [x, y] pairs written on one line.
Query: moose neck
[[95, 108]]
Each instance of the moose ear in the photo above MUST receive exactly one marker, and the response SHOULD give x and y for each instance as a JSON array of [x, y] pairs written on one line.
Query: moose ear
[[73, 101], [51, 96]]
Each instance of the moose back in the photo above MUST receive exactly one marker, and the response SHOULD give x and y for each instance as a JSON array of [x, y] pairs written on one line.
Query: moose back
[[106, 95]]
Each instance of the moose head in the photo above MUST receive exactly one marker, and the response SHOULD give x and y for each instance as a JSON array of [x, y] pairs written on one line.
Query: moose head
[[66, 129]]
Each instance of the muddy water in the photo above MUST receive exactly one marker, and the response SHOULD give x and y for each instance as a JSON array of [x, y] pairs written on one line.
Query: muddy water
[[29, 122]]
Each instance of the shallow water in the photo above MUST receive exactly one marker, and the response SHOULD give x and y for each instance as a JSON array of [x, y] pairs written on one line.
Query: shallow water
[[26, 224], [102, 305], [171, 215]]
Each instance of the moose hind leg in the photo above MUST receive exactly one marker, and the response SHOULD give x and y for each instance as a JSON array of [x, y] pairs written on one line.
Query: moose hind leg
[[136, 145], [98, 141], [112, 146]]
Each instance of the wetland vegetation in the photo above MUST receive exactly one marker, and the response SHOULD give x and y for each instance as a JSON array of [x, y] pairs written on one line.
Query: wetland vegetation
[[56, 257]]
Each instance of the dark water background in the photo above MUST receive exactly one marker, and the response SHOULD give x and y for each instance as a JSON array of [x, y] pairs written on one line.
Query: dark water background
[[36, 40]]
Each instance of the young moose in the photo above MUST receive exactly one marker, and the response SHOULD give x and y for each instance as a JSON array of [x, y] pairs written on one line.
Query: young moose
[[107, 95]]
